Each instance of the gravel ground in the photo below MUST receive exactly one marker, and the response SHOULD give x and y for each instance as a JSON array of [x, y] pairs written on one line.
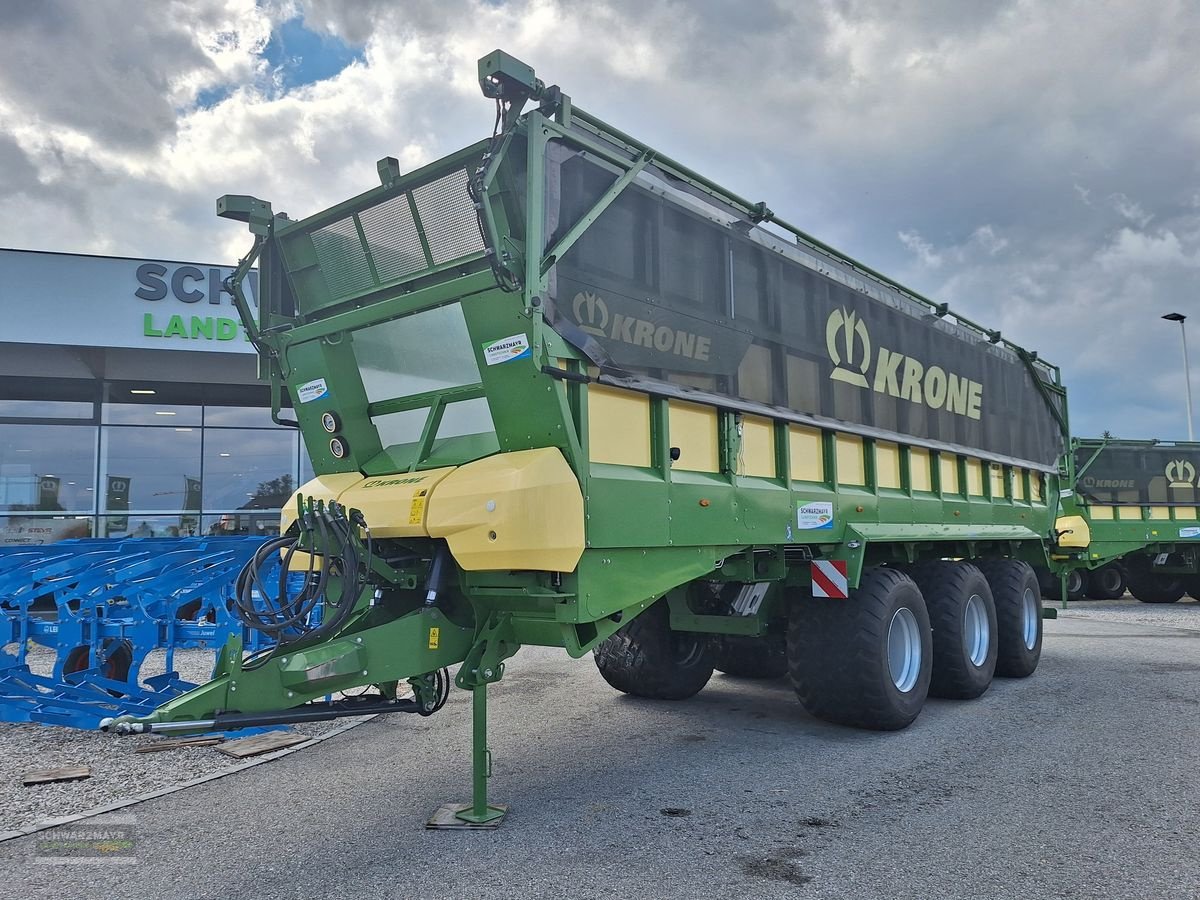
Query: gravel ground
[[1185, 614], [118, 772], [1076, 782]]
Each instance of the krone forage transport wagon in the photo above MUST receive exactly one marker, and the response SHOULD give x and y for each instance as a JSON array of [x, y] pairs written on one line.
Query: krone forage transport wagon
[[559, 389], [1132, 520]]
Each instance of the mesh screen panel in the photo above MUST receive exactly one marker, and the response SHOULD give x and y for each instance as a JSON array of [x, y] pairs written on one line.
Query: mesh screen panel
[[341, 258], [392, 238], [448, 216]]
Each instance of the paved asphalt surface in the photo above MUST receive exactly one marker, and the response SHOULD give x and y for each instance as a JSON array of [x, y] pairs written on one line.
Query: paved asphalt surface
[[1078, 782]]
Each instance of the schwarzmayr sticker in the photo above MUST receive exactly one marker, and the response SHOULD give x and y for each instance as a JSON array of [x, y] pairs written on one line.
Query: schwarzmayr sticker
[[814, 516], [312, 390], [506, 349]]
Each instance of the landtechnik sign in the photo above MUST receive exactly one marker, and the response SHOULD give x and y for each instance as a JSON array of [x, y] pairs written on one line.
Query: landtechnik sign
[[98, 301]]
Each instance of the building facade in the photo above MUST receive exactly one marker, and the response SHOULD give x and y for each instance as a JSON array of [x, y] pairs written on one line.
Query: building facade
[[130, 404]]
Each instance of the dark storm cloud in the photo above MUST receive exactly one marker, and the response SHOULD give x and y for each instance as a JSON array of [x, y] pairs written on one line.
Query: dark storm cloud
[[1032, 162], [104, 68]]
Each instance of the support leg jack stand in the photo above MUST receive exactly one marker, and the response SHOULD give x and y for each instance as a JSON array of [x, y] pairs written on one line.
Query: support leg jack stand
[[478, 813]]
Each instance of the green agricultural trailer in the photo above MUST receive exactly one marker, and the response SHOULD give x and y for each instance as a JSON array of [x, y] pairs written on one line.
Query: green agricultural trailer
[[559, 389], [1132, 522]]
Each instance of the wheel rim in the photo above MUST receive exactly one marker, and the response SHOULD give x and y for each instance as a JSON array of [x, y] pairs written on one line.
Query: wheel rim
[[977, 630], [1029, 619], [1110, 580], [1074, 582], [904, 650]]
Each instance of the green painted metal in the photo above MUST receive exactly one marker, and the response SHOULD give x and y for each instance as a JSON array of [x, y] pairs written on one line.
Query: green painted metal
[[404, 248], [1166, 532]]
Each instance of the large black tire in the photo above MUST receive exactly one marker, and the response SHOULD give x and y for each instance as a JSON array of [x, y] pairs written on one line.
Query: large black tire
[[1018, 600], [838, 653], [647, 658], [1192, 583], [1077, 584], [1106, 582], [752, 657], [963, 619], [1148, 587]]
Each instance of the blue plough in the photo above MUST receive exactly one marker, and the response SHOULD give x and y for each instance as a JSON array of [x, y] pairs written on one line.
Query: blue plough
[[103, 606]]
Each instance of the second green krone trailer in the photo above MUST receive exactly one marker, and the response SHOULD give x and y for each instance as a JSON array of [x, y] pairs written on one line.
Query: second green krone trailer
[[559, 389], [1131, 521]]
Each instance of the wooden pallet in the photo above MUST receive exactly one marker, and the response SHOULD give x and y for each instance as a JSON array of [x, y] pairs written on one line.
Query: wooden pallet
[[261, 743]]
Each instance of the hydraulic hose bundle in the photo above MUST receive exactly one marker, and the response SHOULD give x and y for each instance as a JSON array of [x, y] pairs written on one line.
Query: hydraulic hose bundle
[[268, 599]]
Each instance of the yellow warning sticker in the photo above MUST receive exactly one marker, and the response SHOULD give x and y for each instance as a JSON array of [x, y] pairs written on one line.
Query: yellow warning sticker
[[416, 512], [435, 636]]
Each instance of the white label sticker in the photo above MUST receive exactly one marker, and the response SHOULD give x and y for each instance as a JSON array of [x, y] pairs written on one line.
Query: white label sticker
[[506, 350], [1190, 531], [313, 390], [811, 516]]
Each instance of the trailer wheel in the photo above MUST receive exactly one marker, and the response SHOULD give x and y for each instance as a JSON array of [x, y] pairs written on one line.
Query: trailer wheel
[[750, 657], [865, 661], [647, 658], [1148, 587], [1018, 615], [1192, 582], [1076, 585], [1106, 582], [963, 619]]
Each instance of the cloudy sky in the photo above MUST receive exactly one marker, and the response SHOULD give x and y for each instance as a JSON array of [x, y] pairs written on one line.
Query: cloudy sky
[[1035, 163]]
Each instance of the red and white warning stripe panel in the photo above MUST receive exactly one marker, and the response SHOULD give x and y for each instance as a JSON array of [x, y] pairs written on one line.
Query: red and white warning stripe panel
[[830, 579]]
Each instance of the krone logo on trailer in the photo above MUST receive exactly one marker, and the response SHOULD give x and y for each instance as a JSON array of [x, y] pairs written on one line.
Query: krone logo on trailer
[[1180, 473], [896, 375]]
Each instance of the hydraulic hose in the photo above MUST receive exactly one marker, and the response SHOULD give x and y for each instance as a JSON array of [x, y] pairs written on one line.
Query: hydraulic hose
[[329, 594]]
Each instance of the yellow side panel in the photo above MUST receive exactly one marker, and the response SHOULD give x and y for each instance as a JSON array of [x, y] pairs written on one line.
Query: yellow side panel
[[758, 447], [806, 453], [1101, 512], [1160, 512], [618, 426], [694, 431], [1073, 531], [1035, 486], [323, 487], [1129, 512], [519, 510], [851, 465], [395, 505], [975, 477], [887, 465], [948, 469], [1185, 512], [998, 490], [1018, 483], [920, 474]]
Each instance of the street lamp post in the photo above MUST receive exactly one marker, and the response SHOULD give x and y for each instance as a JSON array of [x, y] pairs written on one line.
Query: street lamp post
[[1187, 375]]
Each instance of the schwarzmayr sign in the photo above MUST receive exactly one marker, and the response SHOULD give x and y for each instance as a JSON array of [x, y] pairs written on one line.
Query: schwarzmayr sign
[[103, 301], [192, 286]]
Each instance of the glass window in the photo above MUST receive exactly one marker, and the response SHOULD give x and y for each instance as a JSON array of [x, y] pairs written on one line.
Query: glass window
[[466, 417], [18, 531], [141, 526], [150, 469], [150, 414], [401, 427], [262, 524], [248, 469], [47, 468], [47, 409], [241, 417], [427, 351]]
